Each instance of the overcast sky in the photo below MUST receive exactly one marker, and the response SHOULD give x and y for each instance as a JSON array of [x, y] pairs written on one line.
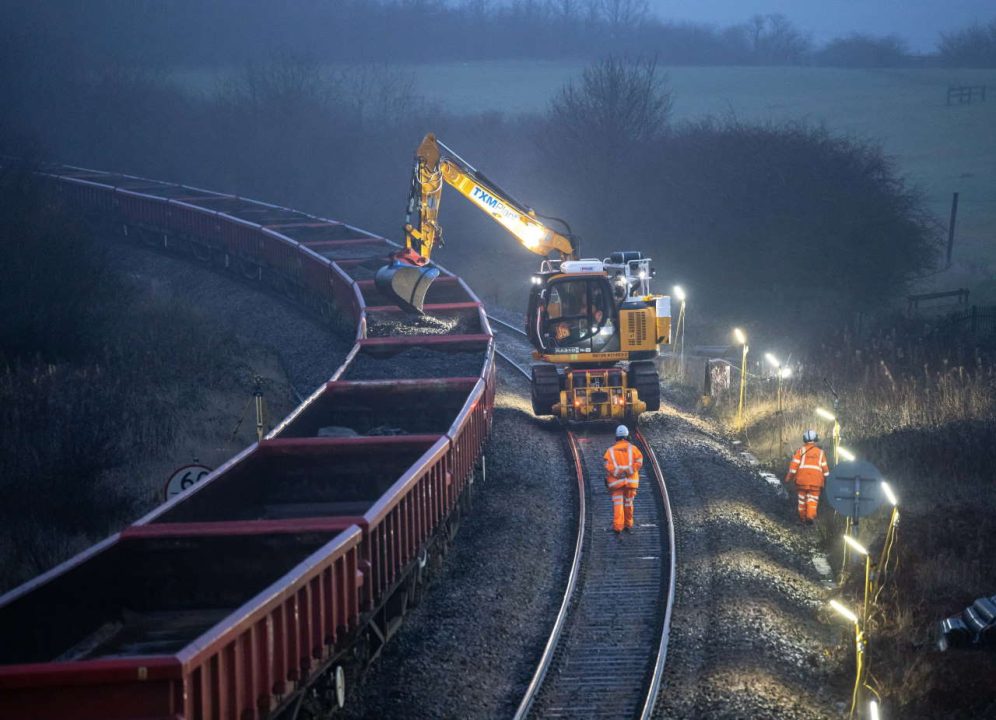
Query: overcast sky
[[918, 21]]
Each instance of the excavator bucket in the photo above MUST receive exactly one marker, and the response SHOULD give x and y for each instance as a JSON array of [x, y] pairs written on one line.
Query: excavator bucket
[[406, 280]]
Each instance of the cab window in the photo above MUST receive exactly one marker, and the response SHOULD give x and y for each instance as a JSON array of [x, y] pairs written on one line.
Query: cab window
[[576, 312]]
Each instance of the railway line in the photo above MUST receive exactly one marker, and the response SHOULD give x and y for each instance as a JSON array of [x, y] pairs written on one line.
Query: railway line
[[606, 652], [247, 595]]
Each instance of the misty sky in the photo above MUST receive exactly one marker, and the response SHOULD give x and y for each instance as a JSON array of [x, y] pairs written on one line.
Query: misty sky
[[918, 21]]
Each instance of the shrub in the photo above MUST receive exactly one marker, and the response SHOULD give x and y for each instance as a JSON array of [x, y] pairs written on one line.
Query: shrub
[[864, 51], [973, 46]]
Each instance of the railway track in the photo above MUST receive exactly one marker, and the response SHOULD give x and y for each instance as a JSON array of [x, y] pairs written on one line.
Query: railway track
[[605, 655]]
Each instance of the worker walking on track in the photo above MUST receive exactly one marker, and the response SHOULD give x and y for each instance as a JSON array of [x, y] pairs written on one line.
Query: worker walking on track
[[809, 469], [622, 465]]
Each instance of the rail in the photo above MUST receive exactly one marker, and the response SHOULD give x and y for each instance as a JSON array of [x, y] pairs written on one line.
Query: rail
[[585, 661]]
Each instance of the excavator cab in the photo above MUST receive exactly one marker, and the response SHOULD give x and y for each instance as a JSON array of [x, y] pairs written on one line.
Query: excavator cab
[[577, 315], [406, 280]]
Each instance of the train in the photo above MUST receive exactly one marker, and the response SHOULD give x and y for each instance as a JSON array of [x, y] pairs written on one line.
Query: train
[[248, 594]]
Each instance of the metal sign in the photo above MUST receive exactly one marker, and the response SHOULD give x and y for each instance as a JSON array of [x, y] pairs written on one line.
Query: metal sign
[[855, 489], [183, 478], [717, 377]]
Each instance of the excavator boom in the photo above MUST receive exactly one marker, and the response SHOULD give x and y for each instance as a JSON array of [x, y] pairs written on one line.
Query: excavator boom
[[406, 279]]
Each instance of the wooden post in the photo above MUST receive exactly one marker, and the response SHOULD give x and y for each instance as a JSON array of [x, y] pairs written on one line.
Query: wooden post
[[951, 228]]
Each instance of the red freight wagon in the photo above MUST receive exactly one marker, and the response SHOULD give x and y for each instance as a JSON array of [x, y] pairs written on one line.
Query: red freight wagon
[[282, 259], [204, 621], [93, 198], [230, 599], [371, 408], [307, 478]]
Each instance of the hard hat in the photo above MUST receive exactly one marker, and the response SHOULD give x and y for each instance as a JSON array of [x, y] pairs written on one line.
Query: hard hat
[[810, 436], [622, 431]]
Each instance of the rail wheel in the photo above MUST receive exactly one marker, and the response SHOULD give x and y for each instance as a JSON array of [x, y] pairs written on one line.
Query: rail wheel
[[643, 377], [545, 389]]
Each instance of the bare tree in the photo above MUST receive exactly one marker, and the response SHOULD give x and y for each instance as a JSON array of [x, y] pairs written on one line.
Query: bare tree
[[774, 40], [624, 14], [617, 101]]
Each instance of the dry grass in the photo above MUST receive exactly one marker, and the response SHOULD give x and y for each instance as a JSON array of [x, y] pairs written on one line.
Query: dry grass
[[88, 445]]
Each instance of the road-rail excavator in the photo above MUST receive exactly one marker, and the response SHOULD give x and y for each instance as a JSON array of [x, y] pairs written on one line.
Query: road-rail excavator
[[593, 323]]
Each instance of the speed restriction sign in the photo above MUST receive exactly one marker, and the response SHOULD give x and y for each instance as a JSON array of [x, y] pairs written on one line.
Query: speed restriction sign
[[183, 478]]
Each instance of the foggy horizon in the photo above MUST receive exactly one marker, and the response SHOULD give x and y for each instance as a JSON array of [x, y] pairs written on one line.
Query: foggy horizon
[[918, 22]]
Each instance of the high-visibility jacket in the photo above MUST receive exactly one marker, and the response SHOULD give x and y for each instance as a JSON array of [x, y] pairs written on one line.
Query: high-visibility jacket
[[622, 463], [809, 467]]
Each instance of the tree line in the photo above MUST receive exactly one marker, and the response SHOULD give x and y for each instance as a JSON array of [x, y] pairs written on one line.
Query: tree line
[[168, 33]]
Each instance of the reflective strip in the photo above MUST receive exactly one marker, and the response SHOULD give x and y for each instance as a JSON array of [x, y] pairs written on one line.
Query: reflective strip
[[617, 483], [629, 456], [617, 501], [820, 461]]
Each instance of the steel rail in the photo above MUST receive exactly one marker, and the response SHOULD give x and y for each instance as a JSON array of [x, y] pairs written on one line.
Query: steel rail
[[572, 592], [546, 659], [509, 326], [658, 671]]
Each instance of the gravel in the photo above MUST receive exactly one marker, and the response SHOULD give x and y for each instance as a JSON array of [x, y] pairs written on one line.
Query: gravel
[[387, 324], [308, 350], [414, 363], [469, 650], [747, 640]]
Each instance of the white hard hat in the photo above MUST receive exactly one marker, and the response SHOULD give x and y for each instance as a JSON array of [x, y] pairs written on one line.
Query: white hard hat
[[810, 436], [622, 431]]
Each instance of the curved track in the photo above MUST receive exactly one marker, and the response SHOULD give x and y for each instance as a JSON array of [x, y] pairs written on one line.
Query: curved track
[[606, 652]]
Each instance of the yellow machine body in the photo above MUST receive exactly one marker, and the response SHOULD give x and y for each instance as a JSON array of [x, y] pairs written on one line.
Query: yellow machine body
[[601, 394]]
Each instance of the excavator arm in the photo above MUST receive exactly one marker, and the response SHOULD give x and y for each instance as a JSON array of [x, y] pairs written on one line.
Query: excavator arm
[[407, 277]]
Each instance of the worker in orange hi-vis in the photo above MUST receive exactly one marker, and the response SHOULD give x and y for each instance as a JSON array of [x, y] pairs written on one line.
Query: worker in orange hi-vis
[[622, 465], [809, 469]]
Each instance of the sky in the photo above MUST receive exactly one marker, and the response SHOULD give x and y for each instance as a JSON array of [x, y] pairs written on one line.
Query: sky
[[919, 22]]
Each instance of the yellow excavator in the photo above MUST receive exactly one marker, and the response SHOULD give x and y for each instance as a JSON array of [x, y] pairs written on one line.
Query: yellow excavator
[[594, 323]]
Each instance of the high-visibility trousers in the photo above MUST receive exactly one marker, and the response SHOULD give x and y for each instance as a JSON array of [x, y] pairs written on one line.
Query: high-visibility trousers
[[809, 501], [622, 508]]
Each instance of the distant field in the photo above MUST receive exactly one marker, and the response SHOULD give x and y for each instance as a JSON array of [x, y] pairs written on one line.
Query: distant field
[[941, 149]]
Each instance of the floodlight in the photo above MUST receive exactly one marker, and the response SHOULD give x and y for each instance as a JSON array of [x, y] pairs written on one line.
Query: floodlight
[[785, 372], [739, 335], [679, 294], [531, 235], [889, 495], [843, 611], [846, 454], [772, 359], [826, 414], [872, 710], [855, 545]]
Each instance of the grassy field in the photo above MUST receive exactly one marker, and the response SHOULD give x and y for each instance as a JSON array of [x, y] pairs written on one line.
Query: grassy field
[[941, 149]]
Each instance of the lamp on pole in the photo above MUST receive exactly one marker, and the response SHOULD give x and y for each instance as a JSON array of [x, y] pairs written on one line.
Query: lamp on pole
[[862, 550], [890, 533], [859, 650], [679, 295], [742, 340], [780, 372], [848, 524], [835, 436]]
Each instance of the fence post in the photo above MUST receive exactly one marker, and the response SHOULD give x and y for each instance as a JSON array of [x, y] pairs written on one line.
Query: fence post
[[951, 228], [975, 318]]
